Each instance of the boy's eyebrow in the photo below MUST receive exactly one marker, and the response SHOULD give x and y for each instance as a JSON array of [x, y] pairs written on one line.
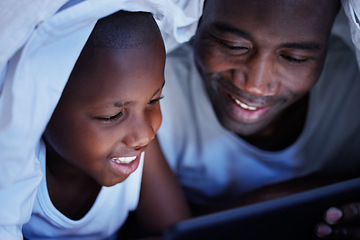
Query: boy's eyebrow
[[122, 104]]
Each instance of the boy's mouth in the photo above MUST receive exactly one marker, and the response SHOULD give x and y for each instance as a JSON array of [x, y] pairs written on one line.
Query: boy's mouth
[[125, 165], [123, 160]]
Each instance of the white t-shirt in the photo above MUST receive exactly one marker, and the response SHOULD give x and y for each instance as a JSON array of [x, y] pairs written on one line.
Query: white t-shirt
[[352, 11], [215, 165], [103, 220]]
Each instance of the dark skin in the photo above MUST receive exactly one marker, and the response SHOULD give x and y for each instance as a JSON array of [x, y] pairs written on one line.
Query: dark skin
[[110, 109], [258, 85], [341, 222], [259, 59]]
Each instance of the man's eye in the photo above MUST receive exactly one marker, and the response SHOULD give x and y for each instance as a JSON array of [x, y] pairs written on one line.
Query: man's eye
[[294, 59], [111, 118], [155, 100], [237, 49], [233, 47]]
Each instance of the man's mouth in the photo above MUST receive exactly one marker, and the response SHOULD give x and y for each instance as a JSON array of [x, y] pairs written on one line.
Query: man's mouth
[[243, 105], [248, 113], [123, 160]]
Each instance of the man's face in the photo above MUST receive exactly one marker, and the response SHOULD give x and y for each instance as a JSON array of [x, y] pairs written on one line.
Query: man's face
[[258, 57], [109, 112]]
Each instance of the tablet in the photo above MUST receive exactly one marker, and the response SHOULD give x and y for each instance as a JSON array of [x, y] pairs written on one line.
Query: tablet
[[291, 217]]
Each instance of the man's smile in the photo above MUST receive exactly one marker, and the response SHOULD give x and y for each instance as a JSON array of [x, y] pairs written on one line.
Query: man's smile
[[243, 105], [245, 112]]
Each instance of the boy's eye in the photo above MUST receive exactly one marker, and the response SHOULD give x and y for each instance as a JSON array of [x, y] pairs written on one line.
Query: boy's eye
[[111, 118], [294, 59], [155, 100]]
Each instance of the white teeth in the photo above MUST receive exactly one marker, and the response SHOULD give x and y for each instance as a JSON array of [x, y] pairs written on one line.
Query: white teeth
[[244, 106], [125, 160]]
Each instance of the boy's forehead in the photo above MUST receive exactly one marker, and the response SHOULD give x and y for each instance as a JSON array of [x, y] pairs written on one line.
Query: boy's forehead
[[107, 77], [97, 63], [127, 54]]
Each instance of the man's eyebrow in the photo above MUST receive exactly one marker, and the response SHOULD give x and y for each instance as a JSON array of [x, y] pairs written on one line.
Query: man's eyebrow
[[162, 86], [312, 46], [228, 28]]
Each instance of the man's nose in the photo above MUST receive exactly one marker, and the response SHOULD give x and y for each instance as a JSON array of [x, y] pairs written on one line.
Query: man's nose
[[139, 133], [259, 76]]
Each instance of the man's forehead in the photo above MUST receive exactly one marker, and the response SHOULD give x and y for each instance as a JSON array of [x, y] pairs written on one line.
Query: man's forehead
[[289, 5], [274, 10], [300, 17]]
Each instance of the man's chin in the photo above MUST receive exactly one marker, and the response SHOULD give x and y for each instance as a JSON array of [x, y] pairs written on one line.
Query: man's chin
[[244, 129]]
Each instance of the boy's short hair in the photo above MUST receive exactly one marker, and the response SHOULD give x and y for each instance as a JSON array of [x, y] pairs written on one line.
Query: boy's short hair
[[123, 30]]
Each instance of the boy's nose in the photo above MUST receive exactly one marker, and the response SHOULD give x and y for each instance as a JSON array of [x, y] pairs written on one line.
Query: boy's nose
[[139, 134], [259, 77]]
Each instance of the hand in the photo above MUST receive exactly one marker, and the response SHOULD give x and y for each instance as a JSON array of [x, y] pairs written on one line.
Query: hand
[[342, 222]]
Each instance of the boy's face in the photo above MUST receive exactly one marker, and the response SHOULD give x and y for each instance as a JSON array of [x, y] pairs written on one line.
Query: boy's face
[[109, 111], [258, 57]]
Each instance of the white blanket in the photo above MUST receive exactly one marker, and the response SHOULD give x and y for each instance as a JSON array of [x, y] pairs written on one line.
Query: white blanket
[[39, 44]]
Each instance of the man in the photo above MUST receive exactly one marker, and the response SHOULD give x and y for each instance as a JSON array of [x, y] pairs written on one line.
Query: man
[[251, 102]]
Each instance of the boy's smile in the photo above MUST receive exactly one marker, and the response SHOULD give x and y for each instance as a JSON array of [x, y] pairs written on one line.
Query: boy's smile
[[125, 160], [125, 165]]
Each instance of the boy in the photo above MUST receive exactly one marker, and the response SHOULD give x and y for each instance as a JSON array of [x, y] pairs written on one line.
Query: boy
[[92, 149]]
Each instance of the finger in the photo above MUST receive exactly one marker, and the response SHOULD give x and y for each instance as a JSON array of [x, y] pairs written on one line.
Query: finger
[[345, 232], [351, 211], [333, 215], [346, 213], [337, 232], [323, 230]]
